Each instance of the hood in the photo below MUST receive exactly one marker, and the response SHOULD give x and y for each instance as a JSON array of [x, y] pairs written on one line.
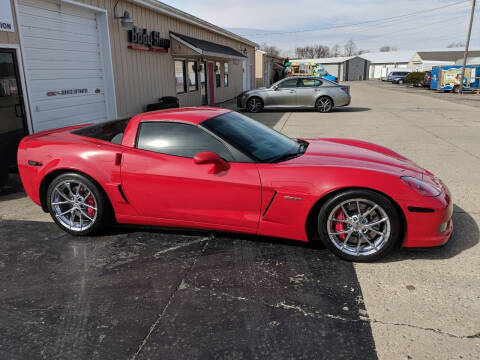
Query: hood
[[356, 154]]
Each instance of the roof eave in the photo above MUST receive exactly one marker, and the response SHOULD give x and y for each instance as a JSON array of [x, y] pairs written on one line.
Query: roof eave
[[178, 14]]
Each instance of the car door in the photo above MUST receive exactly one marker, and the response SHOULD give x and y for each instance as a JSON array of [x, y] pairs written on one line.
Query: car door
[[306, 90], [161, 180], [284, 95]]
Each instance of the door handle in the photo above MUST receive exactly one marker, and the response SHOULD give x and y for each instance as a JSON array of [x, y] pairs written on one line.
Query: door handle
[[17, 106], [292, 91]]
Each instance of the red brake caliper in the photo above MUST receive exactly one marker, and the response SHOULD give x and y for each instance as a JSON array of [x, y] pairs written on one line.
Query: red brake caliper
[[90, 211], [340, 226]]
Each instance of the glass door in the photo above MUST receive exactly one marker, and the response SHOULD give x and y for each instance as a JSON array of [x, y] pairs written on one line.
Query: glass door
[[12, 112]]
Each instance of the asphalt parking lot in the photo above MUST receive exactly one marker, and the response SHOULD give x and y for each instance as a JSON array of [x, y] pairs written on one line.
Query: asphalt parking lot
[[138, 293]]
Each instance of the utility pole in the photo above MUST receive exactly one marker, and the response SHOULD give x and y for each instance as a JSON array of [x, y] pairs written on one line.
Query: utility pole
[[465, 55]]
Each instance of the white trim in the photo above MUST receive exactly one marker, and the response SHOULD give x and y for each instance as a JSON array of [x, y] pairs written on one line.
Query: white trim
[[183, 16], [110, 97], [23, 83]]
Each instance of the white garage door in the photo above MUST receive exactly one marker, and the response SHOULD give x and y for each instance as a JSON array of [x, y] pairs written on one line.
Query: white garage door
[[63, 64]]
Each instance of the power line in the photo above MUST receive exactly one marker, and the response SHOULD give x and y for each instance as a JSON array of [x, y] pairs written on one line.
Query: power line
[[358, 23]]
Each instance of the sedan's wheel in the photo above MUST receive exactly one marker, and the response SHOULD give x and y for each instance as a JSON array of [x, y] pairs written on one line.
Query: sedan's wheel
[[359, 225], [324, 104], [254, 105], [76, 204]]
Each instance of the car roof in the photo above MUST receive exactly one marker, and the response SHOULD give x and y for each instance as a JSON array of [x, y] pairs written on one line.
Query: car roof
[[194, 115]]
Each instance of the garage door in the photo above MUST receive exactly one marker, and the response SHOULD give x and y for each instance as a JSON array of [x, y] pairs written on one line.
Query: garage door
[[63, 64]]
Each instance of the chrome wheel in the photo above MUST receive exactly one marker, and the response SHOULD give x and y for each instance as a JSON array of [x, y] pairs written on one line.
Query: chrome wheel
[[74, 205], [324, 104], [358, 227], [254, 105]]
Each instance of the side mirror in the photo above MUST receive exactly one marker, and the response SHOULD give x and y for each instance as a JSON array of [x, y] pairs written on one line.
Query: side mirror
[[274, 87], [209, 157]]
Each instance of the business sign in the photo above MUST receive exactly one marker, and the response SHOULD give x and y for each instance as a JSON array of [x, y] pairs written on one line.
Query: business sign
[[147, 41], [6, 17]]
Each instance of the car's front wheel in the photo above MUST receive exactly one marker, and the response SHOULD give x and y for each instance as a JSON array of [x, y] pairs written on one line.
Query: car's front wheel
[[254, 104], [359, 225], [77, 204], [324, 104]]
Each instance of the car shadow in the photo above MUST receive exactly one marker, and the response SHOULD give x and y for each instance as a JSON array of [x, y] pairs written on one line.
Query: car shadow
[[352, 109]]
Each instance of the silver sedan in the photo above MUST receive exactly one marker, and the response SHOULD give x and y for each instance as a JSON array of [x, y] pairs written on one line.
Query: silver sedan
[[296, 92]]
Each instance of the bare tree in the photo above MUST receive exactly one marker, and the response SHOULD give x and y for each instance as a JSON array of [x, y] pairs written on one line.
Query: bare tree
[[456, 44], [335, 51], [350, 48], [387, 48], [270, 49], [361, 51], [321, 51]]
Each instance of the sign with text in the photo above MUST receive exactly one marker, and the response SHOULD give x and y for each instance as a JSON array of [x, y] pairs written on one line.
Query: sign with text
[[150, 40], [6, 16]]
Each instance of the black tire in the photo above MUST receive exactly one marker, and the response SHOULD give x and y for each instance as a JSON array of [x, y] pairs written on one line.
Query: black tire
[[103, 213], [324, 104], [392, 226], [254, 104], [400, 81], [456, 89]]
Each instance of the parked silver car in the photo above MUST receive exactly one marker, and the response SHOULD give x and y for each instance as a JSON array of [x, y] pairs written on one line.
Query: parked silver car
[[296, 92]]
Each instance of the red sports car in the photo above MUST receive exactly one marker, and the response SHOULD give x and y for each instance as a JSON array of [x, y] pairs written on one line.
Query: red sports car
[[213, 168]]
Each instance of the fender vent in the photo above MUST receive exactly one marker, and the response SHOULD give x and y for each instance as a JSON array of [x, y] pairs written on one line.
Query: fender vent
[[270, 203], [420, 209], [120, 190]]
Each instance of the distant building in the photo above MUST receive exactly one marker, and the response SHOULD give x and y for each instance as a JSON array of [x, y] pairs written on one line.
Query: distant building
[[424, 60], [346, 68], [268, 69], [382, 63]]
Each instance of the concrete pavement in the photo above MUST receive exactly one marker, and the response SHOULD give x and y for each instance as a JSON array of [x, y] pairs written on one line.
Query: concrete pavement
[[422, 304]]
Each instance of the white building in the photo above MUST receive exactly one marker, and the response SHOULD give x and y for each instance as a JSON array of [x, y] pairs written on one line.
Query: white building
[[381, 63]]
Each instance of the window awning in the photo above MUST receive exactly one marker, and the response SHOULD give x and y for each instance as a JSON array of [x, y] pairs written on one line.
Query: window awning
[[207, 48]]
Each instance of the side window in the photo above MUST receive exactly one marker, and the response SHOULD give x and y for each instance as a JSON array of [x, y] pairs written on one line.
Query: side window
[[180, 76], [178, 139], [310, 82], [289, 83]]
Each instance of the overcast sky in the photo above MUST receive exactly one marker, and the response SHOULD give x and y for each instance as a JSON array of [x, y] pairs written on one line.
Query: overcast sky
[[287, 24]]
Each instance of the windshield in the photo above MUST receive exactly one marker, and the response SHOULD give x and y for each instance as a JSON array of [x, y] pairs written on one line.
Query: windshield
[[252, 137]]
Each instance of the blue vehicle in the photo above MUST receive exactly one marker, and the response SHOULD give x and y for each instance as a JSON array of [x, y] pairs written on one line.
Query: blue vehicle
[[447, 78]]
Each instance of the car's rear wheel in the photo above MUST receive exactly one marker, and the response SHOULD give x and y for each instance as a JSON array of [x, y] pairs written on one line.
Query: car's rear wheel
[[456, 89], [359, 225], [77, 205], [324, 104], [254, 104], [400, 81]]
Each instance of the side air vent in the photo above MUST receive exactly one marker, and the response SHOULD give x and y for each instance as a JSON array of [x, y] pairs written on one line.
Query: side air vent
[[120, 190], [270, 203], [420, 209]]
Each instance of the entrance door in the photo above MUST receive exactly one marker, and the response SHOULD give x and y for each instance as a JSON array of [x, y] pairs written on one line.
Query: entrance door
[[12, 112], [203, 83], [211, 73]]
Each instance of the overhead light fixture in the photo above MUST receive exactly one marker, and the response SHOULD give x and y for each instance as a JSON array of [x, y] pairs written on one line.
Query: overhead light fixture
[[127, 22]]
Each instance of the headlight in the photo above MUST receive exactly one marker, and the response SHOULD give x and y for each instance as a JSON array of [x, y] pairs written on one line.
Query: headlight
[[420, 186]]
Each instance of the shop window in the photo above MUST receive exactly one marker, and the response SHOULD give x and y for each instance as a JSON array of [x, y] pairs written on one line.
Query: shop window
[[225, 74], [192, 76], [181, 84], [217, 74]]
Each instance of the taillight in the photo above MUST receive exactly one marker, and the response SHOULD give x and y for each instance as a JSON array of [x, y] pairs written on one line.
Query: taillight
[[345, 89]]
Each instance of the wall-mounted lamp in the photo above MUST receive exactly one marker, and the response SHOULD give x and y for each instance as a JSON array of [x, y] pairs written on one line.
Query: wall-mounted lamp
[[127, 22], [245, 51]]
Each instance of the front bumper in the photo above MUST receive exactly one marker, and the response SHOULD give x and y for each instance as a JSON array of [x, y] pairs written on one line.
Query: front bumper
[[429, 229], [241, 101]]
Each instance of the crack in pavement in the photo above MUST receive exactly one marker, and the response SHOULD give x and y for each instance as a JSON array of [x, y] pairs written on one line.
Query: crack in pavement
[[178, 287], [319, 315]]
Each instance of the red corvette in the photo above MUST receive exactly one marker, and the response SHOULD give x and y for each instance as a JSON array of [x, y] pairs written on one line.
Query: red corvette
[[212, 168]]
